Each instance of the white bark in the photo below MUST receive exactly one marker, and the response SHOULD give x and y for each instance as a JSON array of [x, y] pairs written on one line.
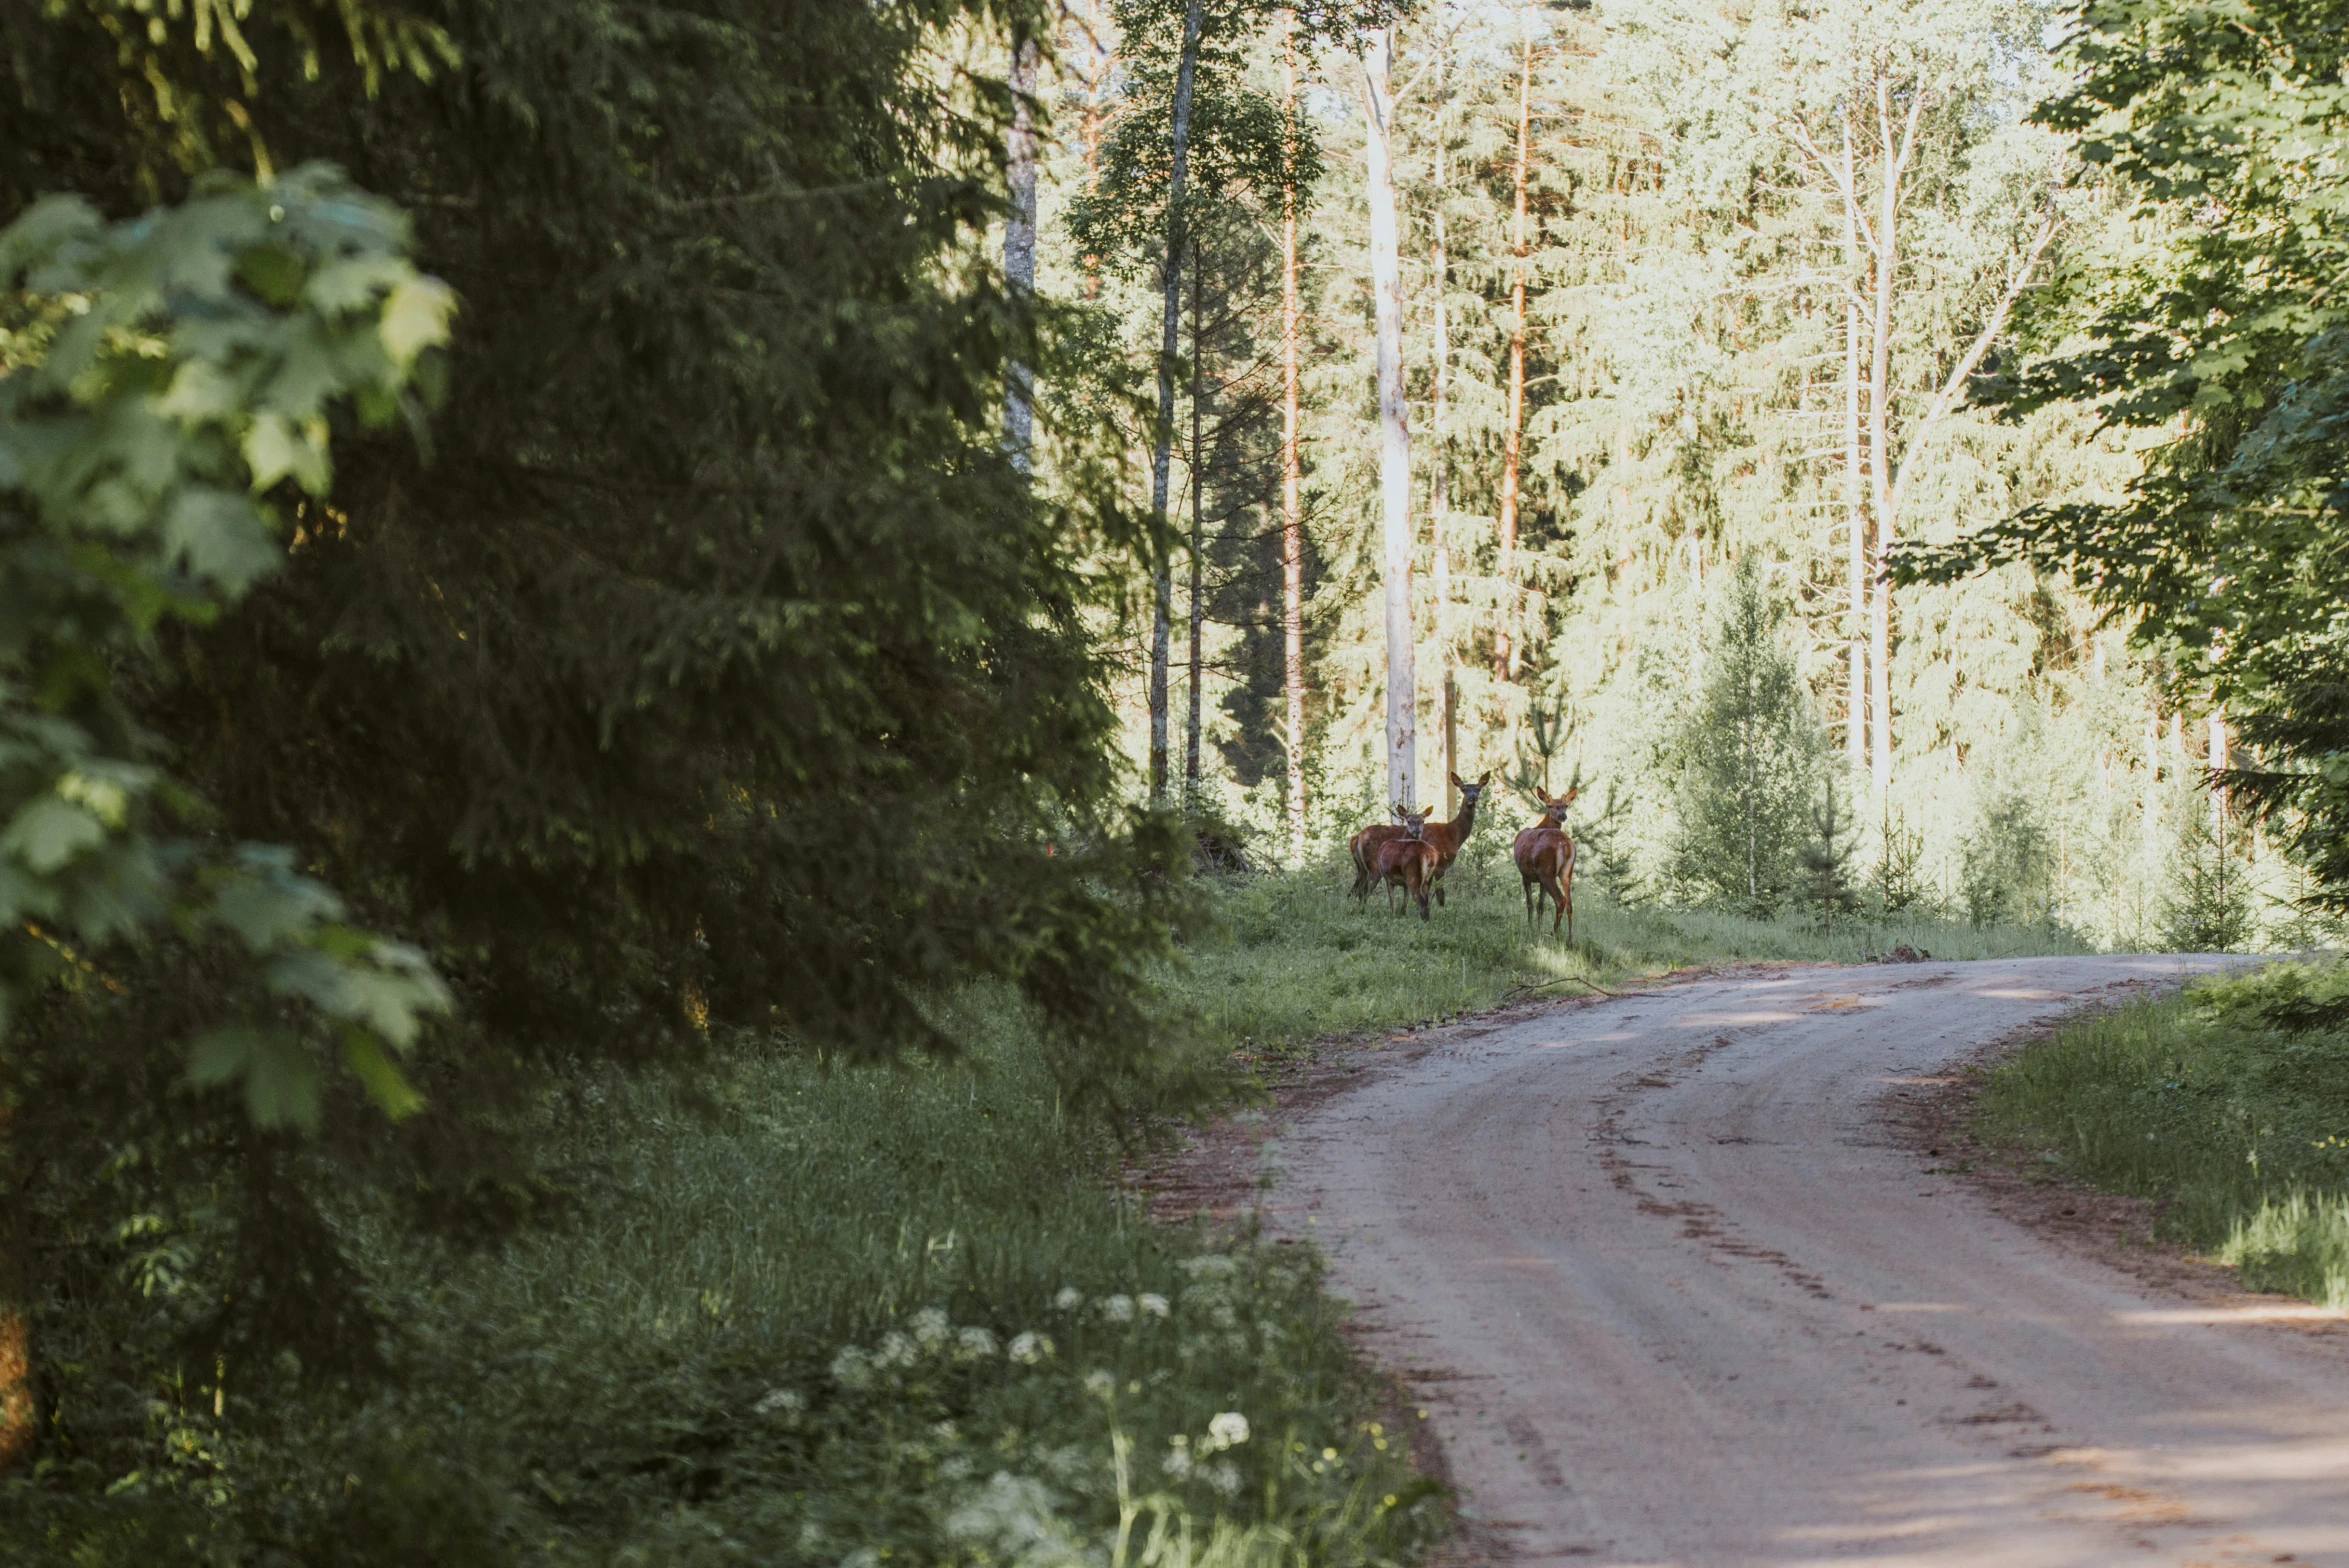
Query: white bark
[[1292, 462], [1019, 250], [1162, 455], [1394, 466]]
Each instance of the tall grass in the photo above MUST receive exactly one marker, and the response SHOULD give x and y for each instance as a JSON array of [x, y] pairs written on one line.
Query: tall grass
[[1297, 957], [2238, 1126]]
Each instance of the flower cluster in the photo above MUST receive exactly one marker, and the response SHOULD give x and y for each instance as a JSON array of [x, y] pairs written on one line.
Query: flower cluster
[[929, 1339]]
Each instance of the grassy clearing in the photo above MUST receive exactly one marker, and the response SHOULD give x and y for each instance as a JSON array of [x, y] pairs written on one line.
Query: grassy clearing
[[2205, 1101], [1298, 958]]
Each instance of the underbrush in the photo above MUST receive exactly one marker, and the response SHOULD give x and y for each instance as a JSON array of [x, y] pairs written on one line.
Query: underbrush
[[1297, 957], [804, 1315], [2228, 1102]]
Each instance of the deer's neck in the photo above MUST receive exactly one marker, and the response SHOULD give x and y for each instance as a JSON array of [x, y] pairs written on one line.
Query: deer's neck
[[1465, 823]]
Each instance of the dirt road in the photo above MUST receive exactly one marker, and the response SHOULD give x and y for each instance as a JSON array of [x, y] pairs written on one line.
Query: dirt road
[[1674, 1294]]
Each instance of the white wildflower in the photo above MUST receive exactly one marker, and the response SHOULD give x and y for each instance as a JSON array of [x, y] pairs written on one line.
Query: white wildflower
[[1118, 1309], [1177, 1462], [1100, 1384], [1029, 1348], [1228, 1430], [862, 1557], [1069, 1299], [896, 1351], [1154, 1305], [1225, 1478], [852, 1368], [974, 1342], [929, 1327], [781, 1402], [1210, 1265]]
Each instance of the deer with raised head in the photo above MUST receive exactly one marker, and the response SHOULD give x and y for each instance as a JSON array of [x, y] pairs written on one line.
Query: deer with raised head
[[1544, 854], [1407, 859], [1447, 837]]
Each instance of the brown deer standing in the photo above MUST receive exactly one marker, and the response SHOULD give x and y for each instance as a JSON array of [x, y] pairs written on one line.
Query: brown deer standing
[[1544, 854], [1447, 837], [1407, 861]]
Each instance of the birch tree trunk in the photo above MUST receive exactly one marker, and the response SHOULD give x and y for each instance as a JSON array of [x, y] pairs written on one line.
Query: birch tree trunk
[[1162, 455], [1513, 430], [1440, 489], [1292, 457], [1198, 545], [1887, 252], [1019, 250], [1386, 273]]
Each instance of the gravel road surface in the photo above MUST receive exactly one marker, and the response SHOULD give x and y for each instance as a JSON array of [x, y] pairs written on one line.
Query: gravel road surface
[[1674, 1293]]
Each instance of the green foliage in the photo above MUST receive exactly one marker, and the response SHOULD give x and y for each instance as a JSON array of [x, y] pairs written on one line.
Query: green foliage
[[1749, 757], [1825, 862], [180, 368], [713, 682], [2008, 872], [2210, 911], [2204, 1101], [2218, 323]]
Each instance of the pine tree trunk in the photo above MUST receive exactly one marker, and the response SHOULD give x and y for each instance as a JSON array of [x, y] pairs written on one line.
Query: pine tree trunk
[[1440, 490], [1162, 455], [1198, 545], [1855, 511], [1292, 459], [1513, 431], [1019, 250], [1386, 271], [1880, 451]]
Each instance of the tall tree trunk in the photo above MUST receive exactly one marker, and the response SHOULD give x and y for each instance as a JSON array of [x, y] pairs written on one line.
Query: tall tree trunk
[[1855, 510], [1440, 490], [1162, 454], [17, 1428], [1386, 272], [1513, 431], [1019, 249], [1292, 457], [1887, 254], [1198, 543]]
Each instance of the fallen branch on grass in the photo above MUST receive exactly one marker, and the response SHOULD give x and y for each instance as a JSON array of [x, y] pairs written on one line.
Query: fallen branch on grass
[[1561, 980]]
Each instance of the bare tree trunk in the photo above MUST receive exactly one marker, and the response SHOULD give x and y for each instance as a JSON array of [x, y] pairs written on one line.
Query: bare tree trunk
[[1198, 545], [1386, 271], [1162, 456], [2218, 763], [1292, 458], [1019, 250], [1855, 511], [1513, 431], [1887, 249], [1440, 490]]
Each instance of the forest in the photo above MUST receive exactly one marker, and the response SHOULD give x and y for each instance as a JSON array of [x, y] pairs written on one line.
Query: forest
[[674, 672]]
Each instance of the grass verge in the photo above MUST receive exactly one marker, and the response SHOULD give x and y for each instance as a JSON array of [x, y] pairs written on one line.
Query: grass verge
[[1297, 958], [2228, 1103]]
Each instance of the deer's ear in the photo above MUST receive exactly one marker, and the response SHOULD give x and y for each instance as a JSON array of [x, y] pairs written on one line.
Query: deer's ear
[[1484, 778]]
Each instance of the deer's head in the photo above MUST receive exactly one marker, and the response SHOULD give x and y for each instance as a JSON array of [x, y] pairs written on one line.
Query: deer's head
[[1471, 790], [1554, 806], [1414, 822]]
